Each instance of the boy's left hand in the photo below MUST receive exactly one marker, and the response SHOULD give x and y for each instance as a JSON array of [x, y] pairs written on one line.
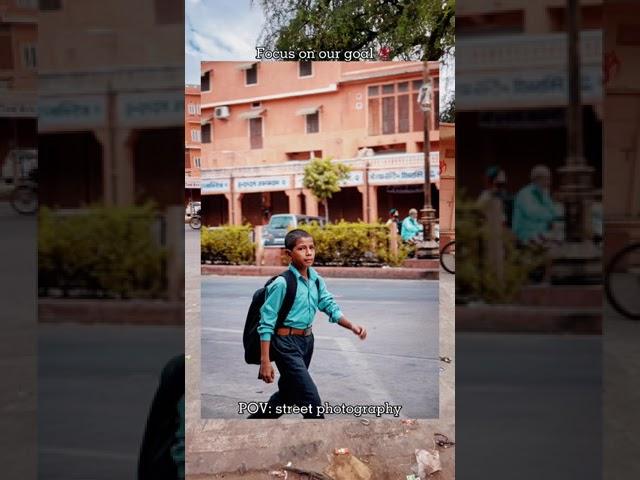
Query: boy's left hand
[[359, 331]]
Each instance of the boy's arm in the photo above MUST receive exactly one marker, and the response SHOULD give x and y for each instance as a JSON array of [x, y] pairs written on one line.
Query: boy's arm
[[328, 305], [269, 311], [268, 317], [359, 330], [266, 373]]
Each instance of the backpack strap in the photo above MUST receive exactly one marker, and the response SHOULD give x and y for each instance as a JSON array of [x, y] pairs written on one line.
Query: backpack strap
[[289, 297]]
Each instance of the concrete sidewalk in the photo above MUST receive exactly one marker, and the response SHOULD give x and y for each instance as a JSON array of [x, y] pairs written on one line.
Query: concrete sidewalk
[[396, 273]]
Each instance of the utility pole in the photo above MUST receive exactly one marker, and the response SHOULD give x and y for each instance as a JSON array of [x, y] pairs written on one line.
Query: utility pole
[[428, 248], [577, 260]]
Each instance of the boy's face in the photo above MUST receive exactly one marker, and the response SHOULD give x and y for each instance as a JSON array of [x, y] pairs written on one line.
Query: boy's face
[[303, 253]]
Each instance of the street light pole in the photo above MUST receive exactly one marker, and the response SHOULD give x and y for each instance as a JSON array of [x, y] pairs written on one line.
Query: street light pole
[[577, 260], [428, 248]]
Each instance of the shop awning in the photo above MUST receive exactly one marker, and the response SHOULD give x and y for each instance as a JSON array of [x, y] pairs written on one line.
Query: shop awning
[[245, 66], [257, 113], [308, 110]]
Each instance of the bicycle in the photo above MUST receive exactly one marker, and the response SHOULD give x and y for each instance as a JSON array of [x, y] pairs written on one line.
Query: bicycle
[[622, 281], [24, 198], [448, 257], [195, 222]]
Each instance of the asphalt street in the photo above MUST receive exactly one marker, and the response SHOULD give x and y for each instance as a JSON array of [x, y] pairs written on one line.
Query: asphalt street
[[398, 362], [18, 347], [95, 387]]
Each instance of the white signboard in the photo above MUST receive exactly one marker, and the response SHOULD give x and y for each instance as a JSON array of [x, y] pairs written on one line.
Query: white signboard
[[192, 182], [151, 109], [262, 184], [14, 106], [354, 179], [82, 112], [519, 89], [212, 187], [403, 176]]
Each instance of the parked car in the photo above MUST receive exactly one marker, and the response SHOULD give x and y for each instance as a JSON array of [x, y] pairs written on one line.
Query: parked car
[[279, 224]]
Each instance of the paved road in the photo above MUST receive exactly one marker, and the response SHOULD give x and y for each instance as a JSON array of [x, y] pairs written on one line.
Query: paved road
[[95, 388], [528, 406], [398, 363], [18, 347]]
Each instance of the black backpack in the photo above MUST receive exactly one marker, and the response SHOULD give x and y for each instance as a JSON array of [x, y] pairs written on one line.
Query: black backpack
[[251, 337]]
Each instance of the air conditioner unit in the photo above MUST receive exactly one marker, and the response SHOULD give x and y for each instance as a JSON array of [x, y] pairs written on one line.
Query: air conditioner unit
[[221, 112]]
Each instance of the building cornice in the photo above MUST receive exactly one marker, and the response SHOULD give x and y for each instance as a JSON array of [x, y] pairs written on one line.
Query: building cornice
[[301, 93]]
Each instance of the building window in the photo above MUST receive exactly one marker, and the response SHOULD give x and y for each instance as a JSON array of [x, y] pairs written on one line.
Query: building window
[[187, 160], [251, 75], [29, 56], [393, 108], [499, 23], [27, 3], [50, 4], [169, 12], [256, 104], [205, 82], [192, 109], [196, 162], [197, 108], [305, 69], [6, 53], [388, 115], [255, 133], [205, 136], [195, 135], [403, 113], [313, 122]]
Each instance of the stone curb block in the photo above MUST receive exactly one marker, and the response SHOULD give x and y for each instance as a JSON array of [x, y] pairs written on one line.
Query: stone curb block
[[111, 312], [528, 319], [331, 272]]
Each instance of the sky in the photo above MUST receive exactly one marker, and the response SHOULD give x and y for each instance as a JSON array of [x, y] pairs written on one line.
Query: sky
[[219, 30], [229, 29]]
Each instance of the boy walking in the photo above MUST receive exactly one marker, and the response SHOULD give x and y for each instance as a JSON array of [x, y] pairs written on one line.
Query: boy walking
[[292, 343]]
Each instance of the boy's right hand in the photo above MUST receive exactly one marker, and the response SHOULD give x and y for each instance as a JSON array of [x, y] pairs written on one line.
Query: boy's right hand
[[267, 373]]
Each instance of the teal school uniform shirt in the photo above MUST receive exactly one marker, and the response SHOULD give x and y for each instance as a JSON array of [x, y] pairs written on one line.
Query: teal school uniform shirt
[[309, 299], [410, 228]]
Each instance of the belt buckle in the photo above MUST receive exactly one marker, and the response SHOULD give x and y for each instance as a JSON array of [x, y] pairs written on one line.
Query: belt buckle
[[307, 332]]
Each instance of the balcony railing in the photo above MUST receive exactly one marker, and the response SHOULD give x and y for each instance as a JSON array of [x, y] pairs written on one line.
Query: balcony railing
[[388, 161]]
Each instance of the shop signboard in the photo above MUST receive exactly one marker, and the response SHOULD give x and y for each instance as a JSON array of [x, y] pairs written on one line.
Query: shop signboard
[[262, 184], [77, 112], [214, 186], [160, 109]]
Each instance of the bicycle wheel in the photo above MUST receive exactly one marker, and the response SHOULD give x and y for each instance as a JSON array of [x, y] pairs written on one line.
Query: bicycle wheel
[[195, 222], [622, 282], [448, 257], [24, 200]]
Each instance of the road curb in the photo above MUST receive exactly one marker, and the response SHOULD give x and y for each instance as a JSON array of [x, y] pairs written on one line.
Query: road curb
[[330, 272], [111, 312], [528, 319]]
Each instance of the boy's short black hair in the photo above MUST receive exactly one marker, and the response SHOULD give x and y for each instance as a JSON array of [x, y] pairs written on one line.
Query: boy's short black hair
[[292, 238]]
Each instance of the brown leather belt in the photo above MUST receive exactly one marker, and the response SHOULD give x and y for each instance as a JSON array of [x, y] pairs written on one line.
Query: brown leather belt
[[284, 331]]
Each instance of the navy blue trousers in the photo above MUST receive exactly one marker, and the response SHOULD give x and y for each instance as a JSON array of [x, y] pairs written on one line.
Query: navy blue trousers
[[292, 354]]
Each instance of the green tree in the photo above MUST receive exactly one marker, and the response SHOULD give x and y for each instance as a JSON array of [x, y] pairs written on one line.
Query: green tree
[[323, 177], [448, 114], [409, 29]]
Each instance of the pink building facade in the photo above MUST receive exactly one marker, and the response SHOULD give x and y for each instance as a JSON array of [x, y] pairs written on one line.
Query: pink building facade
[[192, 144], [262, 121]]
